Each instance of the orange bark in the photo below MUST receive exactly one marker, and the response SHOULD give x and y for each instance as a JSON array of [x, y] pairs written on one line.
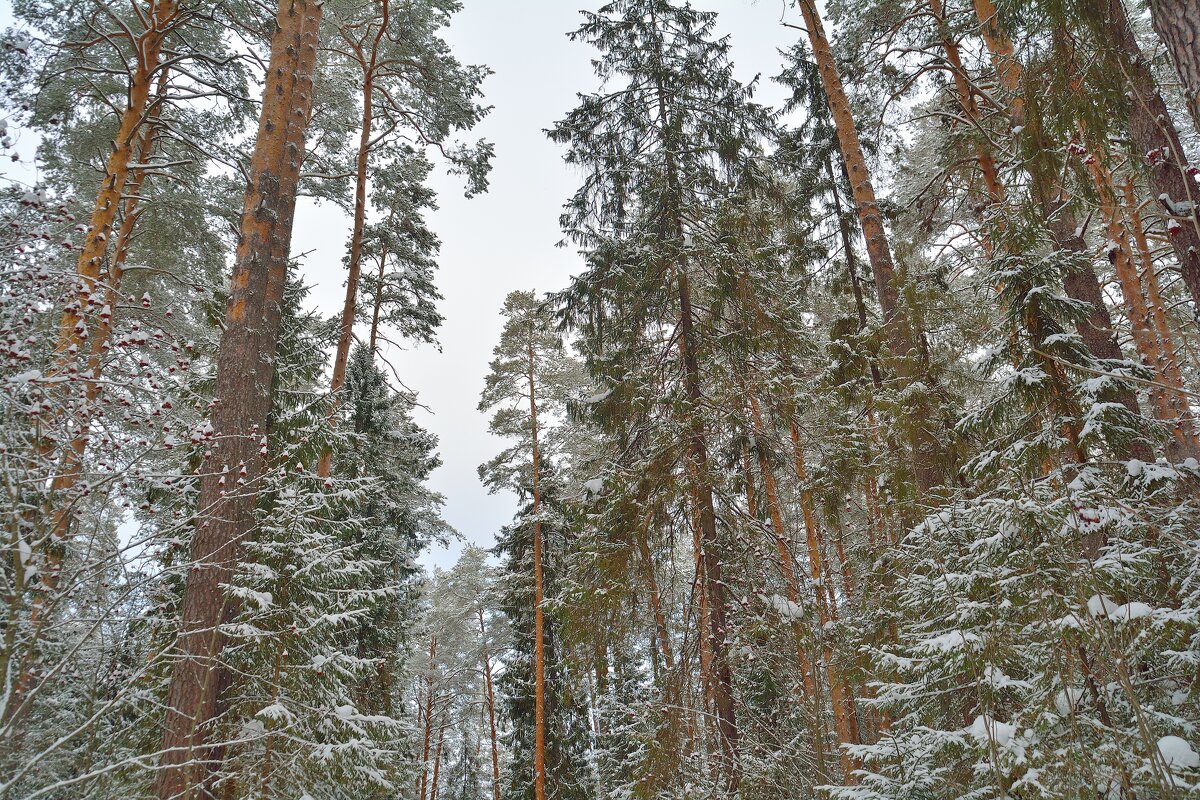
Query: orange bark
[[437, 762], [783, 550], [928, 453], [70, 462], [1184, 430], [160, 16], [970, 107], [244, 374], [367, 61], [1080, 282], [1144, 337], [660, 620]]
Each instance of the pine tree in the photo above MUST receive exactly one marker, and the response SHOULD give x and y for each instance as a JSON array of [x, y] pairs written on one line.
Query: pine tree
[[525, 385], [244, 370], [411, 82]]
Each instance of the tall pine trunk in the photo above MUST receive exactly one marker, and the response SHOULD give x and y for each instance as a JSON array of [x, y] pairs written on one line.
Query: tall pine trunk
[[1145, 337], [354, 267], [902, 337], [69, 466], [787, 567], [1079, 281], [423, 780], [1185, 428], [491, 707], [841, 695], [539, 622], [242, 404]]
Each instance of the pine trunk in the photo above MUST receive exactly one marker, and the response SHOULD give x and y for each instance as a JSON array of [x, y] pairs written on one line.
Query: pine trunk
[[539, 643], [841, 696], [354, 268], [783, 549], [660, 620], [1145, 337], [70, 460], [160, 17], [427, 745], [902, 338], [437, 762], [1079, 280], [245, 371], [1185, 428], [786, 562], [378, 309], [966, 100]]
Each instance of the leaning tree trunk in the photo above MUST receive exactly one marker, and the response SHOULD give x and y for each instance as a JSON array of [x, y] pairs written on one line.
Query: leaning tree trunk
[[902, 338], [242, 403], [1177, 22]]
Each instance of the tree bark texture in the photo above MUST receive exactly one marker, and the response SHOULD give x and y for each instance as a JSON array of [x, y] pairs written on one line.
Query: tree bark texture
[[245, 371]]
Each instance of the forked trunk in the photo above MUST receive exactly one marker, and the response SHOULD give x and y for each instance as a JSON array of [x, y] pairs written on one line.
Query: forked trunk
[[160, 17]]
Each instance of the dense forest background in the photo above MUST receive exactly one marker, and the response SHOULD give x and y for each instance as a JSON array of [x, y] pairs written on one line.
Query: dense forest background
[[858, 460]]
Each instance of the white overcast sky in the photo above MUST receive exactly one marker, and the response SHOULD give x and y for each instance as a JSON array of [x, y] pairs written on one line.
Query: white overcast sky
[[505, 240]]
